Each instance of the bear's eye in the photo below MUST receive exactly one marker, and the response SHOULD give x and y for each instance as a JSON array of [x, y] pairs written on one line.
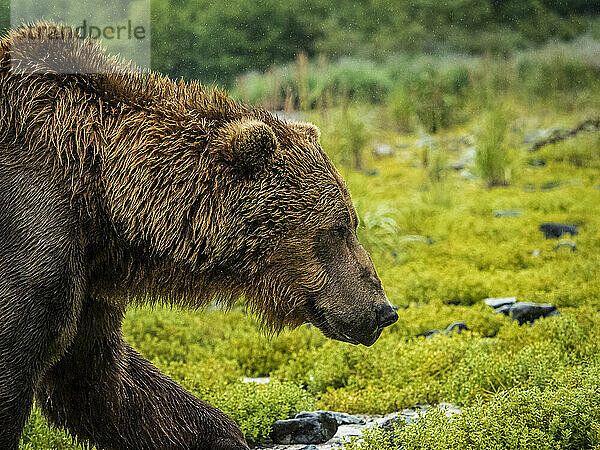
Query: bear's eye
[[338, 232]]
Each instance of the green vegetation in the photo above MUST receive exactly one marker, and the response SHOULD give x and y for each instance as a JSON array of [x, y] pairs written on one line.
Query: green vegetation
[[38, 436], [562, 415], [429, 93], [492, 159], [215, 41]]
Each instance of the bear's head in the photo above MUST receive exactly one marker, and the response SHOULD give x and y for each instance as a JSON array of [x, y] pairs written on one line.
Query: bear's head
[[296, 246], [218, 201]]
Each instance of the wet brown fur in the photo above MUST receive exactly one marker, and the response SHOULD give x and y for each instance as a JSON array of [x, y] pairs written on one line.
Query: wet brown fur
[[145, 156], [120, 187]]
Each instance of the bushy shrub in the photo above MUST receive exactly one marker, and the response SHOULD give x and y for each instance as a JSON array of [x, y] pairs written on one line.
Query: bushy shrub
[[270, 89], [373, 439], [402, 109], [565, 415], [560, 69], [487, 369], [436, 97], [312, 84], [345, 134], [401, 370], [433, 92], [357, 80], [430, 92], [256, 406], [185, 342]]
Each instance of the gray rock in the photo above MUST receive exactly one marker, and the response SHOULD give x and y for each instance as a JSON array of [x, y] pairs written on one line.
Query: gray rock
[[556, 230], [550, 185], [524, 312], [456, 326], [449, 409], [465, 140], [392, 423], [411, 415], [382, 150], [537, 162], [504, 309], [429, 333], [305, 428], [530, 137], [468, 156], [507, 213], [341, 418], [468, 175], [533, 136], [390, 426], [459, 327], [500, 302], [566, 244], [426, 141], [455, 145], [457, 166], [346, 432]]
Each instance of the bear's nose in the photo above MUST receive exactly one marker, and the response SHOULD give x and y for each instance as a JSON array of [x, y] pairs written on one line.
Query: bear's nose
[[386, 315]]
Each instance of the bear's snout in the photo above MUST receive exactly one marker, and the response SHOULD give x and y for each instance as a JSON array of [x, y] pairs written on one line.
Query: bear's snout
[[386, 315]]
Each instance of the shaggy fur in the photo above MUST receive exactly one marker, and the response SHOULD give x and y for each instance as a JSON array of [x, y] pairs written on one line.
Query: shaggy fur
[[118, 187]]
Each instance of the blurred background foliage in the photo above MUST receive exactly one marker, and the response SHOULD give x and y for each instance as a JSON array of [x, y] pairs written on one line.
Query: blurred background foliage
[[217, 41]]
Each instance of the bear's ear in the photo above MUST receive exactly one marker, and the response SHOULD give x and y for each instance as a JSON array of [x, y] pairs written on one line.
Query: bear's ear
[[308, 131], [246, 145]]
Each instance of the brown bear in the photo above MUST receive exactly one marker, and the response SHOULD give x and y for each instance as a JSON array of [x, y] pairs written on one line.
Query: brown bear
[[120, 187]]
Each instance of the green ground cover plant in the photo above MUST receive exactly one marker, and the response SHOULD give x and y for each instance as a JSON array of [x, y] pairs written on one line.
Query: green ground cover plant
[[563, 415]]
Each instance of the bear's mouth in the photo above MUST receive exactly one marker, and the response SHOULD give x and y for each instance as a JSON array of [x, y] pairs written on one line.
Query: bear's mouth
[[318, 318]]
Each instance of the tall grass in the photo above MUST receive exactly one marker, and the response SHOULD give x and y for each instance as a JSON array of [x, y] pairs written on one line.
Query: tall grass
[[492, 159], [431, 93], [346, 134]]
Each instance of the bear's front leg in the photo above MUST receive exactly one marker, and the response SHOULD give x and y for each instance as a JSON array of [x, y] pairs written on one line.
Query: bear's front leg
[[104, 392], [40, 288]]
